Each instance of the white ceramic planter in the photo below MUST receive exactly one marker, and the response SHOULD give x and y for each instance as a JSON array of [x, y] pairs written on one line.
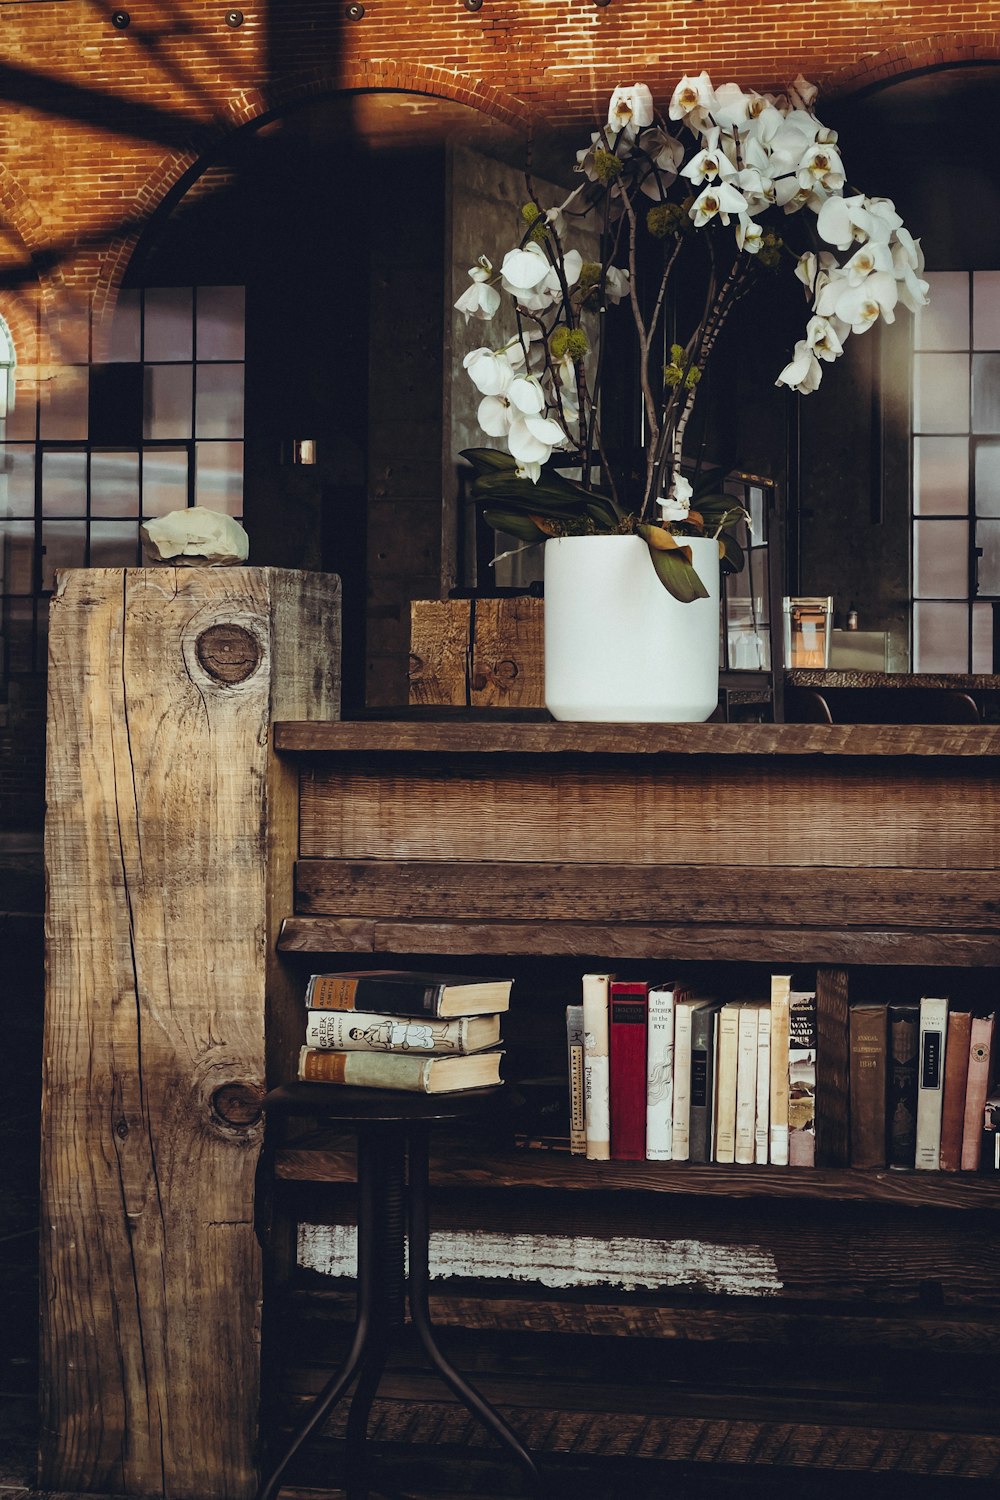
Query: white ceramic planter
[[618, 647]]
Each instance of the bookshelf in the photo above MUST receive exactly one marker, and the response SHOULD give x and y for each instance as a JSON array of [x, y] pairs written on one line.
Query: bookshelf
[[852, 851]]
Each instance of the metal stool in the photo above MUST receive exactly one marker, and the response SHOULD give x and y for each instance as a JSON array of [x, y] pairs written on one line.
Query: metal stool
[[393, 1131]]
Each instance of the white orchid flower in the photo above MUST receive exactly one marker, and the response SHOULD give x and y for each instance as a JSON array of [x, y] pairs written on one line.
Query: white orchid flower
[[913, 290], [630, 107], [803, 373], [532, 439], [522, 270], [526, 394], [532, 471], [861, 306], [749, 234], [675, 505], [732, 107], [720, 199], [821, 166], [709, 164], [693, 101], [886, 220], [616, 284], [757, 189], [494, 416], [823, 338], [491, 370], [665, 154], [841, 221], [802, 93], [765, 120], [866, 259]]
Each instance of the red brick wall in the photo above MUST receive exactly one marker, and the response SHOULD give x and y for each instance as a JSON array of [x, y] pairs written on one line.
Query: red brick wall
[[96, 123]]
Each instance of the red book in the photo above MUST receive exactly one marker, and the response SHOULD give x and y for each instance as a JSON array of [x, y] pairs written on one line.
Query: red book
[[628, 1006], [956, 1073]]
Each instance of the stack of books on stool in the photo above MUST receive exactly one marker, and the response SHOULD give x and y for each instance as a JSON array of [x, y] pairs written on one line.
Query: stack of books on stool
[[402, 1029]]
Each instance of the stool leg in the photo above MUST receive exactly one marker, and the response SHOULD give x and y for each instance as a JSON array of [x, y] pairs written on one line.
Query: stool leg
[[339, 1383], [355, 1482], [419, 1240]]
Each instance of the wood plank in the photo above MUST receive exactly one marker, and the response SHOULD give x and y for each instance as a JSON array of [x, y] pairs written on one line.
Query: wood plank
[[439, 651], [912, 1329], [507, 653], [863, 816], [163, 886], [505, 737], [764, 896], [466, 1166], [833, 1134], [709, 943]]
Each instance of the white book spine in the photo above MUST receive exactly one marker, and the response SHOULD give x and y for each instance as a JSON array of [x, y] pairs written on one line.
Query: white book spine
[[596, 1066], [763, 1119], [746, 1085], [353, 1031], [930, 1081], [659, 1073], [725, 1084], [681, 1144], [778, 1130]]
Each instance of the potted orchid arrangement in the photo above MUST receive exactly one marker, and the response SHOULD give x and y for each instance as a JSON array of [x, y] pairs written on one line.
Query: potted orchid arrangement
[[727, 174]]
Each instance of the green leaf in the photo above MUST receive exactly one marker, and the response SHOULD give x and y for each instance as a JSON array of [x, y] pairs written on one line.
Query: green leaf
[[483, 459], [732, 553], [513, 524], [678, 576]]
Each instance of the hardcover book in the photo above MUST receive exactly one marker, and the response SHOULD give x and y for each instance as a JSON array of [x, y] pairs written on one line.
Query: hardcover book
[[686, 1007], [596, 1066], [660, 1071], [930, 1081], [778, 1130], [349, 1031], [977, 1087], [401, 1070], [704, 1018], [725, 1082], [407, 992], [746, 1084], [763, 1108], [956, 1077], [901, 1109], [574, 1057], [802, 1078], [869, 1069], [628, 1004]]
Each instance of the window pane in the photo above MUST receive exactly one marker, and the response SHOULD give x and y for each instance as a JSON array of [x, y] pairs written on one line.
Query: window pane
[[986, 310], [114, 544], [167, 401], [21, 419], [17, 480], [986, 393], [219, 477], [64, 405], [988, 565], [944, 322], [982, 638], [167, 326], [124, 343], [64, 483], [219, 408], [988, 479], [18, 635], [940, 638], [220, 322], [17, 556], [941, 476], [164, 480], [63, 546], [940, 559], [114, 483], [68, 328], [941, 393]]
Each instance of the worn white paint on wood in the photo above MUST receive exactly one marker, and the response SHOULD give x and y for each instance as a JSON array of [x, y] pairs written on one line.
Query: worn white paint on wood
[[168, 849], [623, 1261]]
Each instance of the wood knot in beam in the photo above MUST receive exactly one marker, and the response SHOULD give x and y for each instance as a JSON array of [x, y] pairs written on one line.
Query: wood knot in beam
[[228, 653], [238, 1103]]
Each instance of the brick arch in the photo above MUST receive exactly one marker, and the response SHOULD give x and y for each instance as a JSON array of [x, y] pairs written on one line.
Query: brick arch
[[251, 105], [904, 59], [24, 224]]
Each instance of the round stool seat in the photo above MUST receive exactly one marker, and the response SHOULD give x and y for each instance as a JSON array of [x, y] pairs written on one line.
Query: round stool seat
[[346, 1105]]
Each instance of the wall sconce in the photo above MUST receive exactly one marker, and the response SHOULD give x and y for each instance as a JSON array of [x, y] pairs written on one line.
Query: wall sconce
[[473, 4], [354, 12], [299, 451], [234, 18], [120, 19]]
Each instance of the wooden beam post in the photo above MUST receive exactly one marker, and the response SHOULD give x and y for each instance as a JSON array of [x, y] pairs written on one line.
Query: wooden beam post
[[169, 850]]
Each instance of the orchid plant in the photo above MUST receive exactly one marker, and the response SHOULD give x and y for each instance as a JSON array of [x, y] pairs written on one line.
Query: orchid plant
[[730, 172]]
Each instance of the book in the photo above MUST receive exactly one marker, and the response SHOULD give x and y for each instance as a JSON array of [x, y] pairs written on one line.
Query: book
[[868, 1076], [956, 1077], [407, 992], [901, 1105], [781, 985], [802, 1078], [762, 1120], [407, 1071], [701, 1122], [628, 1002], [347, 1031], [574, 1056], [746, 1084], [976, 1089], [930, 1081], [727, 1052], [596, 1066], [660, 1070], [686, 1007]]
